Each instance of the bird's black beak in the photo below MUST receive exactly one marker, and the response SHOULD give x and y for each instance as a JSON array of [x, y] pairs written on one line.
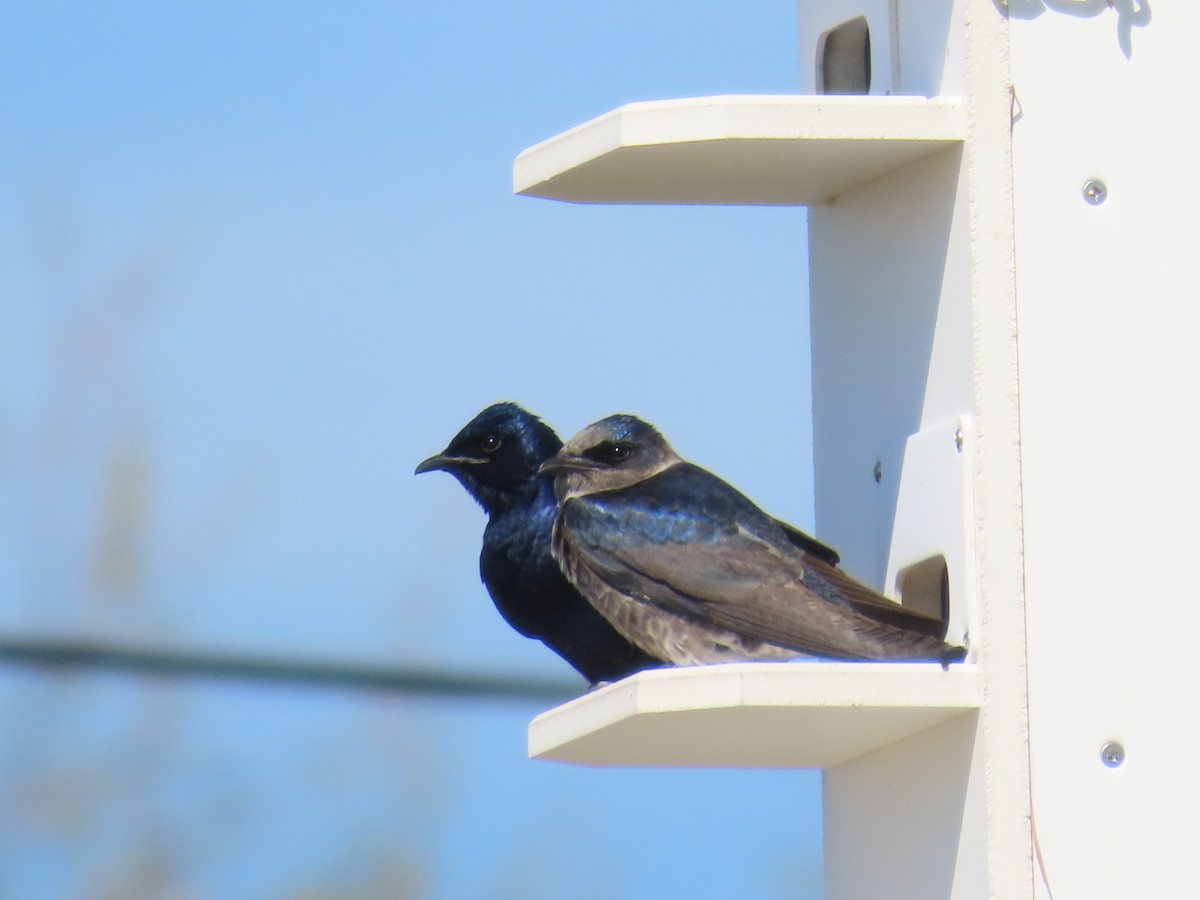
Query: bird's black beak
[[445, 462], [561, 465]]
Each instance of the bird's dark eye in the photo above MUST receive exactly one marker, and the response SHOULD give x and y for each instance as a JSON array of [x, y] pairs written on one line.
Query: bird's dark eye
[[610, 452], [490, 444]]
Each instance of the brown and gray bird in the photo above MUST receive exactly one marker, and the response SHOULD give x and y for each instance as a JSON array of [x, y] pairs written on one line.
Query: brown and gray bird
[[689, 570]]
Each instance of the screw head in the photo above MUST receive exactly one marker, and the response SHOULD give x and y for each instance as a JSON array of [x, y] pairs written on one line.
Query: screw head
[[877, 472], [1094, 191], [958, 439], [1112, 754]]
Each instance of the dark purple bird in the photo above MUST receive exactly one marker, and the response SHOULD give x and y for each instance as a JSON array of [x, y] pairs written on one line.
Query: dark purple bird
[[692, 572], [496, 458]]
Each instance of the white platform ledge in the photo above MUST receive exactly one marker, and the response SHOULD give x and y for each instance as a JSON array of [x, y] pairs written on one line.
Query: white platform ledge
[[753, 715], [745, 149]]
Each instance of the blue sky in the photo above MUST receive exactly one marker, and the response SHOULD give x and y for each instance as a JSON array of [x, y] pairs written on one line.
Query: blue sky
[[259, 260]]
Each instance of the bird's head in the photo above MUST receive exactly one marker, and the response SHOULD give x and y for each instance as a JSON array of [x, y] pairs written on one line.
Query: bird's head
[[497, 454], [608, 455]]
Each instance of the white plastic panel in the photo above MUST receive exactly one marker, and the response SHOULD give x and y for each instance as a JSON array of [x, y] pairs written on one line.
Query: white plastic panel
[[928, 61], [891, 330], [935, 517], [933, 783], [753, 715], [763, 150], [1109, 325]]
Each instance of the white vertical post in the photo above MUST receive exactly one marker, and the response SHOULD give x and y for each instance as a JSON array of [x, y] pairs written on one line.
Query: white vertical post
[[1108, 320], [914, 330]]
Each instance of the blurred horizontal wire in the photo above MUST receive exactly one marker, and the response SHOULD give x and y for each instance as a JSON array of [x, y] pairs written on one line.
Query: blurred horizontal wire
[[66, 654]]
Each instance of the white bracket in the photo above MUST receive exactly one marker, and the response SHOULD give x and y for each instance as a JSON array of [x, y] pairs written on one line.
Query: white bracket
[[934, 524]]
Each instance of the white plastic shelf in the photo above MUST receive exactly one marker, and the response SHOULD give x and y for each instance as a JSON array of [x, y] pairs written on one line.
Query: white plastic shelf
[[753, 715], [770, 150]]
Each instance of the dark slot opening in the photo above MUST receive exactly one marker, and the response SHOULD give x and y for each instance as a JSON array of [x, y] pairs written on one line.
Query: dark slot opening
[[925, 587], [845, 56]]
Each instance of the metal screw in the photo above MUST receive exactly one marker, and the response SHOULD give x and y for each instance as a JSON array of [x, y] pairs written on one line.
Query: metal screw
[[1094, 191], [878, 471], [958, 439], [1112, 754]]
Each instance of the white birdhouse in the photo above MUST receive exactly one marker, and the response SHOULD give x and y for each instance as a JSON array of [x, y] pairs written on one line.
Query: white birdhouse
[[1005, 327]]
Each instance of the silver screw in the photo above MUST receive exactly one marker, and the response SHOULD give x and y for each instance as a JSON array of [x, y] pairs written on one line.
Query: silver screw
[[1094, 191], [1112, 754], [877, 472], [958, 439]]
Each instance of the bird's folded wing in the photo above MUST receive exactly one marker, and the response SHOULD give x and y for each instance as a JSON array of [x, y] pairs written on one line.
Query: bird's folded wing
[[836, 586], [734, 579], [810, 544]]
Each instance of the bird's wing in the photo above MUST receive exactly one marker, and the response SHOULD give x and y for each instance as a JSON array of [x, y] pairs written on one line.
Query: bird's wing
[[837, 587], [727, 572], [810, 544]]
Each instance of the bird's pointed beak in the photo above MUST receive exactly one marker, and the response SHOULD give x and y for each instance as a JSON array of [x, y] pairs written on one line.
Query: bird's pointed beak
[[445, 462], [561, 464]]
